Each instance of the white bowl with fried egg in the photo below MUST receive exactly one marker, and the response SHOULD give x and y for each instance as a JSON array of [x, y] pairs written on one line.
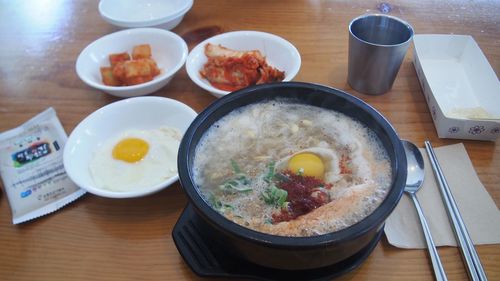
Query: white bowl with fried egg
[[168, 50], [128, 148], [278, 52]]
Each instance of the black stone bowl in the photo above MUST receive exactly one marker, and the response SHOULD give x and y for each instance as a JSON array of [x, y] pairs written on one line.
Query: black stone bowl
[[293, 253]]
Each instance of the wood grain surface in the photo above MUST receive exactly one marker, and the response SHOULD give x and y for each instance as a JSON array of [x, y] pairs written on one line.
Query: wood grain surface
[[97, 238]]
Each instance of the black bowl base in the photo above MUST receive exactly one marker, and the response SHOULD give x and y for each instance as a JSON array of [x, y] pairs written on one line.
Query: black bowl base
[[206, 260]]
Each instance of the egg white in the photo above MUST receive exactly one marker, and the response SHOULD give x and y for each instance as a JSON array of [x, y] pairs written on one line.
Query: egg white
[[158, 165]]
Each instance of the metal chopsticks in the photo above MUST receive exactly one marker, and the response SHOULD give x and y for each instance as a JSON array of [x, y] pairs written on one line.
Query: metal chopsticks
[[469, 254]]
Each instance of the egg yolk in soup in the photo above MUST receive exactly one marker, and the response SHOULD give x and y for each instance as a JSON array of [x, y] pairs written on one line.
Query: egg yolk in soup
[[307, 164], [130, 150]]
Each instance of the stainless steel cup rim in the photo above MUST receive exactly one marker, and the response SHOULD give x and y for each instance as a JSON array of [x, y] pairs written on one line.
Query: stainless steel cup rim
[[410, 28]]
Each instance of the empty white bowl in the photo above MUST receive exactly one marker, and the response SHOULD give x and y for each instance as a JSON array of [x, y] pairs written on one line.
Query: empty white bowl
[[140, 113], [279, 53], [166, 14], [168, 49]]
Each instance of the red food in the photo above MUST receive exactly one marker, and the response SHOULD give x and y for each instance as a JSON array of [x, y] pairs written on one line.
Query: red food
[[108, 78], [116, 58], [141, 52], [231, 70], [125, 72], [304, 195]]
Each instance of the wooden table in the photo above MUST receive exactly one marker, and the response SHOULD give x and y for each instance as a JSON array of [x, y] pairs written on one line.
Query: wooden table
[[104, 239]]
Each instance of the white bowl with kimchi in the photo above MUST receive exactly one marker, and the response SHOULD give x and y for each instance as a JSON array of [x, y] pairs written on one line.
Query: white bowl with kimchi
[[234, 60], [166, 53]]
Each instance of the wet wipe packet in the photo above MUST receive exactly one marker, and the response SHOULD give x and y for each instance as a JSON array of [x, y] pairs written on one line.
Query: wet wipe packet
[[32, 170]]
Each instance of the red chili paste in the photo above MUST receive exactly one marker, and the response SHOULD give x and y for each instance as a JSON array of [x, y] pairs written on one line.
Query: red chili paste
[[304, 195]]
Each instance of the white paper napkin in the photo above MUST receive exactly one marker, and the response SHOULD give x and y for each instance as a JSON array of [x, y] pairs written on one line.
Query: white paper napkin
[[478, 210]]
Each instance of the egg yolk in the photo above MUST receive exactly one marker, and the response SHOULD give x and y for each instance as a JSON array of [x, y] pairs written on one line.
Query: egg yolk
[[130, 150], [307, 164]]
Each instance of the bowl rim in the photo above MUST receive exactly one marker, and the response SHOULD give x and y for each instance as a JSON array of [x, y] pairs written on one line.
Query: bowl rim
[[181, 10], [98, 114], [130, 32], [410, 29], [198, 49], [376, 218]]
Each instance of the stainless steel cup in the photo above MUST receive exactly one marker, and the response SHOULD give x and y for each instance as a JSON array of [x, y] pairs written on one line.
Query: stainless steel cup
[[377, 47]]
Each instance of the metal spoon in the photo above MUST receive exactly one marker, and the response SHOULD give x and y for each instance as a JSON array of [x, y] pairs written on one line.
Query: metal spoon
[[414, 181]]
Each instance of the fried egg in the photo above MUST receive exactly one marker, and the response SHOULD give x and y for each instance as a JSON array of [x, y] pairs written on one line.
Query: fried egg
[[319, 162], [307, 164], [136, 159]]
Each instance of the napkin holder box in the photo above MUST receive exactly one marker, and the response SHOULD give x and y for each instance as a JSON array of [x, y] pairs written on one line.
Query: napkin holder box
[[460, 87]]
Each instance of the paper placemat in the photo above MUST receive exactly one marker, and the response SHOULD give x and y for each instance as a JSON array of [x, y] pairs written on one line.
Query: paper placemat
[[478, 210]]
